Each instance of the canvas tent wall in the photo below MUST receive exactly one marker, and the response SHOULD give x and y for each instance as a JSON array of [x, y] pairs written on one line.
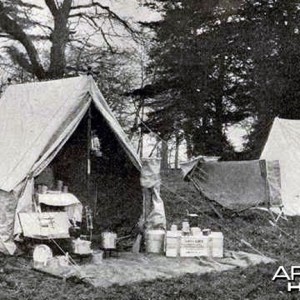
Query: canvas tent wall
[[283, 144], [235, 185], [36, 121]]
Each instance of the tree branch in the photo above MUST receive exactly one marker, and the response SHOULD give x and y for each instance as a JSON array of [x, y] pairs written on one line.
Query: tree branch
[[106, 41], [42, 25], [20, 58], [39, 37], [27, 5], [66, 7], [98, 28], [12, 28], [52, 7], [110, 14]]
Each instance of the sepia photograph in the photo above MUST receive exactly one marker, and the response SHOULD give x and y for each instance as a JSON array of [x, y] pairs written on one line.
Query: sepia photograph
[[149, 149]]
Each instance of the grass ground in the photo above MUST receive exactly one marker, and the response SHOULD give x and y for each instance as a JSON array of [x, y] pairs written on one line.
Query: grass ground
[[19, 281]]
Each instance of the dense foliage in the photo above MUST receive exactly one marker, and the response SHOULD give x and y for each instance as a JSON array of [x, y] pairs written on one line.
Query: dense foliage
[[217, 63]]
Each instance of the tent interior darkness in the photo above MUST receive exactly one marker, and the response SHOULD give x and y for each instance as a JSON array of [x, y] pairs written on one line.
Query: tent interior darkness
[[113, 189]]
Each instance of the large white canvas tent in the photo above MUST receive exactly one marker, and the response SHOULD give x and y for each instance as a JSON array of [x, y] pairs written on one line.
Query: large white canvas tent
[[283, 144], [36, 121]]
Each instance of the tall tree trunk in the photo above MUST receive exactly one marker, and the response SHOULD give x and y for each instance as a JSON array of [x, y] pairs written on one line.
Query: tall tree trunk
[[164, 155], [189, 146], [177, 151], [219, 106], [219, 125], [59, 37]]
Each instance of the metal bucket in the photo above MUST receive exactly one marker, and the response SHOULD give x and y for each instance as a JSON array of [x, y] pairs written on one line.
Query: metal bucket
[[155, 241], [81, 246], [97, 257]]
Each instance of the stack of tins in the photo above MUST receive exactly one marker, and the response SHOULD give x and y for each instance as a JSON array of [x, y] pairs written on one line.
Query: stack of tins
[[109, 240], [194, 243], [178, 243]]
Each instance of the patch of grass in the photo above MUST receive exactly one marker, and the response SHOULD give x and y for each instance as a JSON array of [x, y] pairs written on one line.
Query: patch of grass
[[19, 281]]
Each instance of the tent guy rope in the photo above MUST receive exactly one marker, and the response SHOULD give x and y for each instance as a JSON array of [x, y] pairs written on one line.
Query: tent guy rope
[[221, 225]]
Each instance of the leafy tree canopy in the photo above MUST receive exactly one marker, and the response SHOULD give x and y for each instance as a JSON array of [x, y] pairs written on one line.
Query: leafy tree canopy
[[216, 63]]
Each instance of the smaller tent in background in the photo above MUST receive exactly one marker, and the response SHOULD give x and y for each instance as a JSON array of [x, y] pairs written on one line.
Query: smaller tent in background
[[283, 144], [235, 185]]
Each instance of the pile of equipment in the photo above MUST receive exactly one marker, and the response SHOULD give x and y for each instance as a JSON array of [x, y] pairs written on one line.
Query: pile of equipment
[[187, 242]]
